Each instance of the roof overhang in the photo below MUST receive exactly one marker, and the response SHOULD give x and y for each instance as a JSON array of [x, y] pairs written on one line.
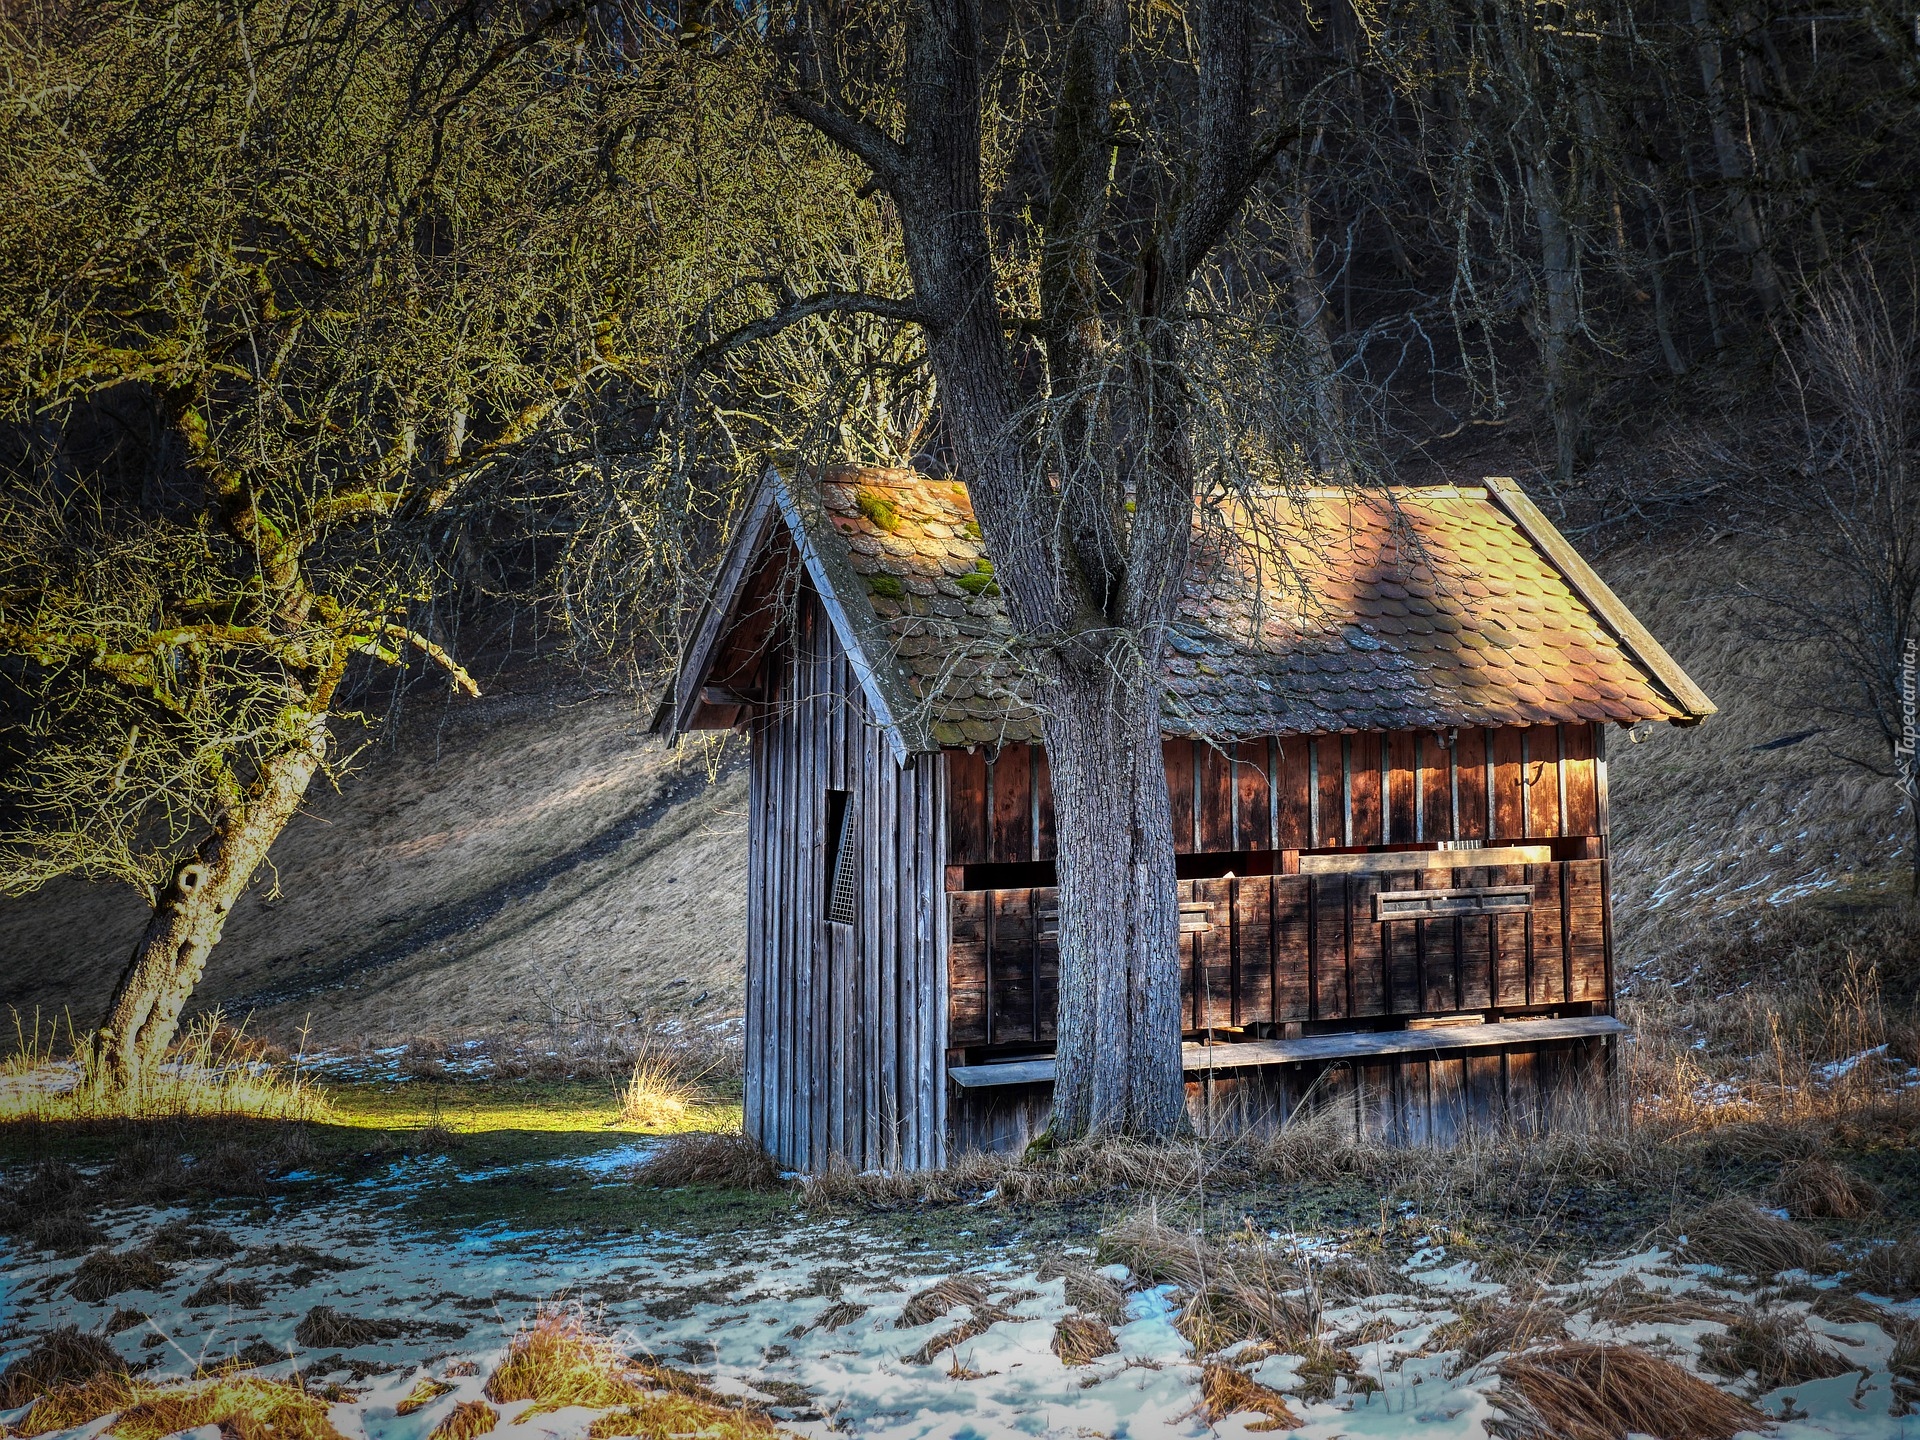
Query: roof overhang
[[782, 511]]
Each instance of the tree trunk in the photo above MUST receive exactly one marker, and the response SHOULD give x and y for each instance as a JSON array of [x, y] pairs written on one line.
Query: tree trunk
[[1330, 449], [145, 1010], [1733, 170], [1119, 1068]]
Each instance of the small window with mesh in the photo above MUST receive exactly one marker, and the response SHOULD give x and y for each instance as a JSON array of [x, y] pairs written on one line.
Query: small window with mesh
[[841, 878]]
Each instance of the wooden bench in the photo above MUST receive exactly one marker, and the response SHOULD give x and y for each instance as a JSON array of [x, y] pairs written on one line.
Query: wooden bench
[[1348, 1045]]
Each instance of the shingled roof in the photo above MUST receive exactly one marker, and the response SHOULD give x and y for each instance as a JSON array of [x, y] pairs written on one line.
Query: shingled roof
[[1315, 613]]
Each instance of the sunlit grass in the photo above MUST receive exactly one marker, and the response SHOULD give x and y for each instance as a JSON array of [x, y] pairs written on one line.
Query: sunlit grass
[[480, 1106], [212, 1071]]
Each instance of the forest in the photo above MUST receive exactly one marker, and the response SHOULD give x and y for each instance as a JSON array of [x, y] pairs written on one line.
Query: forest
[[405, 408]]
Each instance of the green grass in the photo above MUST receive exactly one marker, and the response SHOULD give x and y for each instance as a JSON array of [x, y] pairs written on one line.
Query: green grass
[[478, 1107]]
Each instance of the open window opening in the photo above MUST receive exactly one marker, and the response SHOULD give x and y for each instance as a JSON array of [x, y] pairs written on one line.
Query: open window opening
[[840, 877]]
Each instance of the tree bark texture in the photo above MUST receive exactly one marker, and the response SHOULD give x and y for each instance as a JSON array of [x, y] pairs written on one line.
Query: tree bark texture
[[1119, 1028], [144, 1013]]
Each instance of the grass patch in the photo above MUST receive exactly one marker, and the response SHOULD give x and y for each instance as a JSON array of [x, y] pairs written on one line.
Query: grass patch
[[477, 1107], [213, 1069]]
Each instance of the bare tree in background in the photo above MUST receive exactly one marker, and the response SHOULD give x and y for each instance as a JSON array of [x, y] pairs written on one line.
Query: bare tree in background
[[1852, 516]]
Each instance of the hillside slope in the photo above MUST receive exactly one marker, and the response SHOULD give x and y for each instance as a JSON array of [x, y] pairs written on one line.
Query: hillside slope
[[510, 861]]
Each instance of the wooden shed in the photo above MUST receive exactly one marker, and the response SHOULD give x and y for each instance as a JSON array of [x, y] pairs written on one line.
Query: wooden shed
[[1386, 749]]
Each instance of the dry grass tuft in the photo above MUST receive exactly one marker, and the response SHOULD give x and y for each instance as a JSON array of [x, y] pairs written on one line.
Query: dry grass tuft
[[1082, 1339], [675, 1415], [1628, 1302], [1236, 1288], [243, 1294], [468, 1420], [1905, 1361], [105, 1273], [1737, 1235], [1226, 1391], [1605, 1392], [1486, 1328], [1818, 1189], [244, 1407], [562, 1360], [936, 1300], [1891, 1270], [64, 1233], [212, 1070], [326, 1328], [1773, 1348], [68, 1356], [425, 1391], [730, 1161], [658, 1093], [1086, 1289], [179, 1240]]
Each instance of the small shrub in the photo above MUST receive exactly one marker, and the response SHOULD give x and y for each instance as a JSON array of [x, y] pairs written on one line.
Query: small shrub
[[730, 1161], [1582, 1391]]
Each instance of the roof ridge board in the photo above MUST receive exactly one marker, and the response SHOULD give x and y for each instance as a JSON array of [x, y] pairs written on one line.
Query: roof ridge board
[[1608, 608]]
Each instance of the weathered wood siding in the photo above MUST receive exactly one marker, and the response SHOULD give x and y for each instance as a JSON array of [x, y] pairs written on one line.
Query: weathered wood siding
[[1308, 793], [1274, 949], [845, 1042]]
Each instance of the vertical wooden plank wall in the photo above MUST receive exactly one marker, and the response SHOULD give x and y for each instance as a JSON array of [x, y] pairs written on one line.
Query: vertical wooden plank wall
[[1308, 792], [846, 1024]]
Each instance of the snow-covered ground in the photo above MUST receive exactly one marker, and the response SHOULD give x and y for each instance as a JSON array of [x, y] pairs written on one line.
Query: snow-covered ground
[[748, 1310]]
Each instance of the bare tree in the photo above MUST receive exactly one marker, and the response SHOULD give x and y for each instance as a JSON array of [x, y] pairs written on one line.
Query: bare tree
[[294, 298], [1848, 520], [1127, 143]]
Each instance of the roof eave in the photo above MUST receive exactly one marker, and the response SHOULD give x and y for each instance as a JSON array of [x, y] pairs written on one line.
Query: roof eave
[[1689, 700], [672, 717]]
